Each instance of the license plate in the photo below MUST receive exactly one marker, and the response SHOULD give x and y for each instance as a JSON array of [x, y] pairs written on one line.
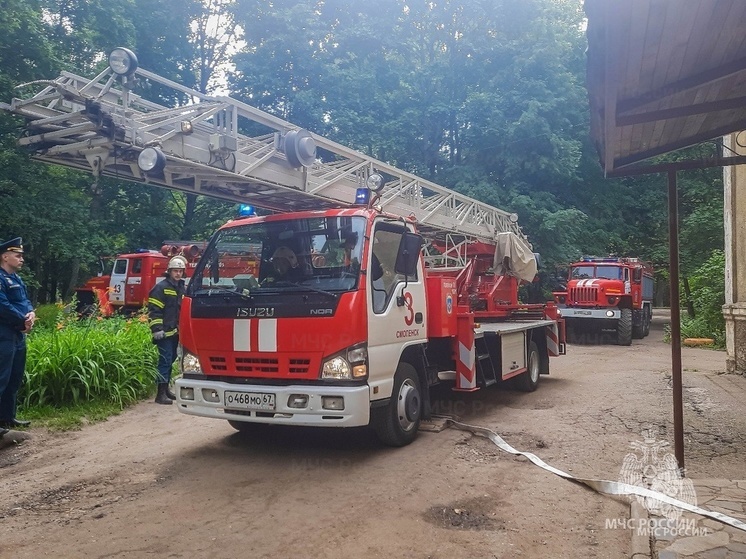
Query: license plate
[[585, 313], [250, 401]]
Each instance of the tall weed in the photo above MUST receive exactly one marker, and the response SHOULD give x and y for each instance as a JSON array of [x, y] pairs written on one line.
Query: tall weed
[[88, 359], [707, 285]]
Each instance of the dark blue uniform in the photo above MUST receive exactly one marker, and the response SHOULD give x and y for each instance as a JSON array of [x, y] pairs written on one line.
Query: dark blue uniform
[[14, 306]]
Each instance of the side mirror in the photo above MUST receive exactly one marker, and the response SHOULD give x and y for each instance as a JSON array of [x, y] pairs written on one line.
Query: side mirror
[[408, 255]]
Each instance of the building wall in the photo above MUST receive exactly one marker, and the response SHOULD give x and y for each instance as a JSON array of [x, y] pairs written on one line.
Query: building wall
[[734, 310]]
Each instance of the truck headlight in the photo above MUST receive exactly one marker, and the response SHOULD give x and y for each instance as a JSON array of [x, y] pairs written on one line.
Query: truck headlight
[[336, 368], [190, 364], [349, 365]]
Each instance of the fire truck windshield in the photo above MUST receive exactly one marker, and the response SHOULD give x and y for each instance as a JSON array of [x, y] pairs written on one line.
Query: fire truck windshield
[[266, 257], [599, 272]]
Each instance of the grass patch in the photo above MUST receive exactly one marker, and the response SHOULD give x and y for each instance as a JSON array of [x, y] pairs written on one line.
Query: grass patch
[[72, 417], [80, 371]]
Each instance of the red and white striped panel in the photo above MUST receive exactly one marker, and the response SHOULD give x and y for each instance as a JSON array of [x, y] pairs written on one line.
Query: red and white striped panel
[[553, 340], [255, 335], [466, 375]]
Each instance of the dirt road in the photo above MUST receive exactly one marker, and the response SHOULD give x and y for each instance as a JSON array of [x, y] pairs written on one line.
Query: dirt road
[[155, 483]]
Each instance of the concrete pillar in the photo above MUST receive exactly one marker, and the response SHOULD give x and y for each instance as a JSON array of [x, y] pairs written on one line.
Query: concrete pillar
[[734, 310]]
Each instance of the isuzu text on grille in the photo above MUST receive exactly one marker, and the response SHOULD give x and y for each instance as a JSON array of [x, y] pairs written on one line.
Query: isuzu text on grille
[[255, 312]]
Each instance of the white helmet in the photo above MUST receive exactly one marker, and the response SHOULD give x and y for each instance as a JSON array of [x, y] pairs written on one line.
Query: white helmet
[[177, 263]]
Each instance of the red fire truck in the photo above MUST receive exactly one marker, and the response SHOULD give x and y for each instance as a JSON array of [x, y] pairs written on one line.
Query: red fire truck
[[612, 296], [364, 288], [132, 276]]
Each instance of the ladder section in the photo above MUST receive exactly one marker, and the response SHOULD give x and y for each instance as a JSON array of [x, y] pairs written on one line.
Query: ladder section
[[486, 357], [221, 147]]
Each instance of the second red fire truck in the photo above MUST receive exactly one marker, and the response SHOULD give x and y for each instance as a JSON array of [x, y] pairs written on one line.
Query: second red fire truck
[[126, 287], [608, 296]]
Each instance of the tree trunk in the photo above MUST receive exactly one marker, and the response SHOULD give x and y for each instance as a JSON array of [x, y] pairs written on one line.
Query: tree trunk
[[74, 273], [187, 232], [688, 297]]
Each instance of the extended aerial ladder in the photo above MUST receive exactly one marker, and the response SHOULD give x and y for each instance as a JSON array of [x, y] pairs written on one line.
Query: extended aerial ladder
[[201, 147]]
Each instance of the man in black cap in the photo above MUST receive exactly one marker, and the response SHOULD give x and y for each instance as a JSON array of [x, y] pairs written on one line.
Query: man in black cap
[[16, 320]]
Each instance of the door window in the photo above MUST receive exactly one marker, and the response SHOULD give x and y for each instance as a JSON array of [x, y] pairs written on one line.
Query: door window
[[383, 279]]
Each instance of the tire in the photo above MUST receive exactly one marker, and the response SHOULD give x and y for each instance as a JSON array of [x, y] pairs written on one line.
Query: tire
[[624, 328], [648, 319], [638, 326], [397, 423], [529, 381]]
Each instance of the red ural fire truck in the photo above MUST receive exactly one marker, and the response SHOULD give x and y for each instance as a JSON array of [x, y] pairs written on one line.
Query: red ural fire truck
[[126, 287], [364, 288], [608, 296]]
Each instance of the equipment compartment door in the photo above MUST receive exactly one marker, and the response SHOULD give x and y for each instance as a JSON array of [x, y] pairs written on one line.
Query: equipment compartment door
[[513, 353]]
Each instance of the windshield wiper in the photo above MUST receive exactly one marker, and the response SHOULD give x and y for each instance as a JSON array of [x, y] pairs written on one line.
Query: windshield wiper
[[224, 289], [305, 287]]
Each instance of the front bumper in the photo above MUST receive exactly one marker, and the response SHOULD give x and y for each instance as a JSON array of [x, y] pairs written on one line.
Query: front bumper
[[570, 313], [356, 410]]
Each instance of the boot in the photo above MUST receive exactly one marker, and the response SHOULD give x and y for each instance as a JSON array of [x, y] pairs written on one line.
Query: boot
[[169, 394], [162, 397]]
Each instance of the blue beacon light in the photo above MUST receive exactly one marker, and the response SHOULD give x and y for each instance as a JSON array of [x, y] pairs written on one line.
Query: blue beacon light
[[246, 210], [362, 196]]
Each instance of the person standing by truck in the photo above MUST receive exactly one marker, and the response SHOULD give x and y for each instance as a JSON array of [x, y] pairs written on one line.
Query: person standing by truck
[[16, 319], [164, 304]]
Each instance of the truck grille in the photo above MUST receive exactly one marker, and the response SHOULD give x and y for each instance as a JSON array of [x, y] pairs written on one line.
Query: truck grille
[[584, 294], [261, 365]]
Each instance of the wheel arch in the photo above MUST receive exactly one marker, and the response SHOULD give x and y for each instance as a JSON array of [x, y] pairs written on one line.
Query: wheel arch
[[415, 356], [539, 337]]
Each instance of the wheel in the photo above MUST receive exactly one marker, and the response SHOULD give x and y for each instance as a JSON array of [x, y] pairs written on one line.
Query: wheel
[[648, 319], [624, 328], [398, 422], [529, 381], [638, 326]]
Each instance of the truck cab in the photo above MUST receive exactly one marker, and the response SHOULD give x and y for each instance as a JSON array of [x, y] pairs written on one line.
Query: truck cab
[[126, 286], [608, 296], [287, 320]]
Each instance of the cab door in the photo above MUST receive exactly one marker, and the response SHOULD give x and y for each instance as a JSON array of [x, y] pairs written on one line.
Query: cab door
[[397, 314], [118, 282], [134, 295]]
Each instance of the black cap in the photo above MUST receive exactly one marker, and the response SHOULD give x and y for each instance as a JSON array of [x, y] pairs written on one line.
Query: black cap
[[13, 245]]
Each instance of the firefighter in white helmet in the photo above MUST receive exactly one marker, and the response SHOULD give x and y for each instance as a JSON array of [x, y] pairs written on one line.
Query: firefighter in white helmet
[[164, 304]]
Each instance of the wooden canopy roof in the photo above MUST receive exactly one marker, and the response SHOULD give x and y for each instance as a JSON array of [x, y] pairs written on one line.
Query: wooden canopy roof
[[663, 75]]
